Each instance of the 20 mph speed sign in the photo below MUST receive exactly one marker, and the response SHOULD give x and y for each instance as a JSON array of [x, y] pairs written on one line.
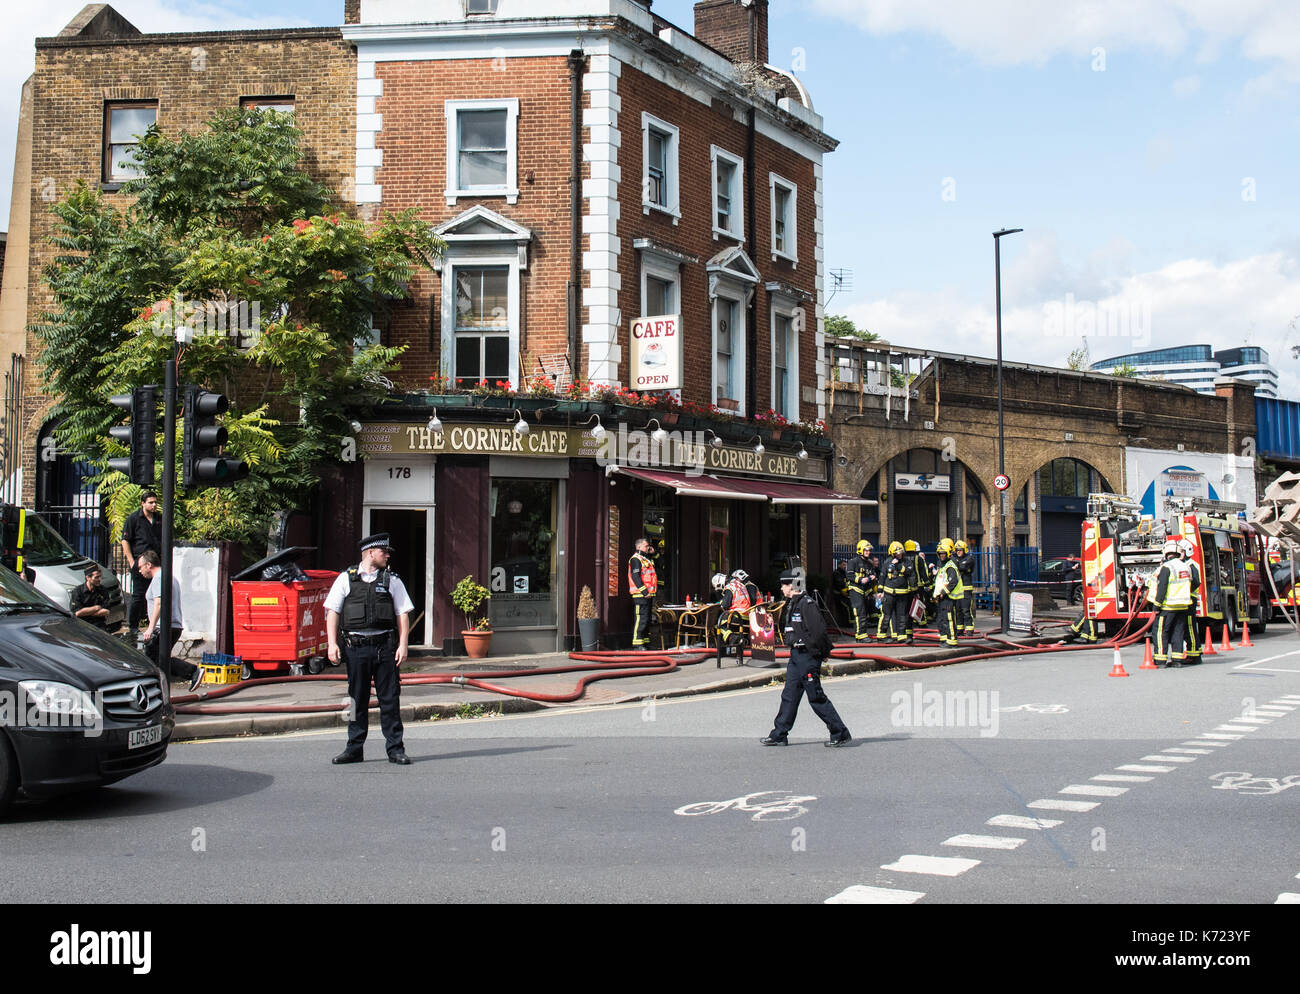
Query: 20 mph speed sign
[[1002, 481]]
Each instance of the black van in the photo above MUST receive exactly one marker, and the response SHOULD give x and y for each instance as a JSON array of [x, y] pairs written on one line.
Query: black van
[[78, 708]]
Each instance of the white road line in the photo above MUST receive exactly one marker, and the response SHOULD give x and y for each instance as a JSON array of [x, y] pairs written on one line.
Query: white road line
[[1275, 706], [940, 866], [858, 894], [1268, 659], [1170, 759], [1053, 804], [985, 841], [1139, 768], [1291, 697], [1194, 752], [1236, 728], [1288, 899], [1121, 778], [1093, 790], [1206, 742], [1252, 721], [1271, 711], [1220, 735], [1020, 821]]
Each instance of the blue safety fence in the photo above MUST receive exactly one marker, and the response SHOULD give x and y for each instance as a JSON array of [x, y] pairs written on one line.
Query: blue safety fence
[[1022, 564]]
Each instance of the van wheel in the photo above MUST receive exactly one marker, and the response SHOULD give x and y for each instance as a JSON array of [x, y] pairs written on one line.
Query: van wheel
[[315, 664], [8, 774], [1230, 619], [1076, 594], [1257, 627]]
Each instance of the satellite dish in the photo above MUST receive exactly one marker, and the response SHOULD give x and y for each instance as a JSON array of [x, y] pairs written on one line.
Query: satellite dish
[[1229, 479]]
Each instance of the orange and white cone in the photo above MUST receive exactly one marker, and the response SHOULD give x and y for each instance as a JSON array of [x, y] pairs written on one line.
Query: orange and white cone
[[1227, 645], [1118, 668], [1246, 643], [1208, 649], [1148, 660]]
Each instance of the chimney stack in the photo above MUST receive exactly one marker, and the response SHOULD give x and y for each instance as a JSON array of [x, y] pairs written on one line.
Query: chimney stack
[[736, 28]]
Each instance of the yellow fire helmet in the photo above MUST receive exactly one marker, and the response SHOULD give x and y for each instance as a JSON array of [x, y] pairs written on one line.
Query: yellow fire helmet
[[961, 546], [945, 547], [911, 546], [864, 548], [895, 548]]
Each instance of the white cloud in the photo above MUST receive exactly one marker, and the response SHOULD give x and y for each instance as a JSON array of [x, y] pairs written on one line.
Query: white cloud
[[1018, 32], [1247, 301], [1187, 86], [24, 23]]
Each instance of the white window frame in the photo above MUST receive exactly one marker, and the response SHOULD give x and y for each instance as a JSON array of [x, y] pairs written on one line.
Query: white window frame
[[661, 268], [792, 225], [737, 295], [510, 189], [477, 260], [784, 307], [672, 187], [737, 232]]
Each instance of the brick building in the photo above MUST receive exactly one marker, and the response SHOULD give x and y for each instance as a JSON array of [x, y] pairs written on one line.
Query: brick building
[[929, 451], [589, 163], [98, 83]]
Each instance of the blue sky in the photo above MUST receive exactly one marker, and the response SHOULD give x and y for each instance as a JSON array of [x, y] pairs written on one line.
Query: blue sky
[[1146, 146]]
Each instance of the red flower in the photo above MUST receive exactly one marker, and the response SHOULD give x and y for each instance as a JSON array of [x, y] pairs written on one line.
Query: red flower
[[266, 238]]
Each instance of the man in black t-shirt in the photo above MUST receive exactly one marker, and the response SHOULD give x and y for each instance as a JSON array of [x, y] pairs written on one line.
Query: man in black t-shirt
[[141, 533], [90, 600]]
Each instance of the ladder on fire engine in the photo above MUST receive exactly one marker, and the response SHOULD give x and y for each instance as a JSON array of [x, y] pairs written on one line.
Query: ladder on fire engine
[[1204, 505], [1113, 506]]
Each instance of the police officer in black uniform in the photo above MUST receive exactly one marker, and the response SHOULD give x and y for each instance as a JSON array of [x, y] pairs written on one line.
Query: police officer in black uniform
[[805, 634], [368, 609]]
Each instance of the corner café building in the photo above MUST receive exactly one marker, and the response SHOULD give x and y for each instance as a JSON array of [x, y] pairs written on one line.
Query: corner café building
[[535, 517]]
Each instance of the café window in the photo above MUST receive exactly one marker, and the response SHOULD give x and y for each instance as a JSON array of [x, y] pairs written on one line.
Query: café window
[[522, 578], [124, 124]]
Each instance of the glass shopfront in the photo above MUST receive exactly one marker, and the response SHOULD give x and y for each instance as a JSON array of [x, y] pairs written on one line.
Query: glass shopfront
[[523, 575]]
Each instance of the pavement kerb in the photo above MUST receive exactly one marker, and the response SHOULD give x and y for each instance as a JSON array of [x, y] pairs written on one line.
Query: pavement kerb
[[189, 730]]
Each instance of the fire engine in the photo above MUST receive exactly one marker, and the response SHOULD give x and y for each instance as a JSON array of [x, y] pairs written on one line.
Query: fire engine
[[1122, 551]]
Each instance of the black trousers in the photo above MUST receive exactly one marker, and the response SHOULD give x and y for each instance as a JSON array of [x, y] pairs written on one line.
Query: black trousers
[[1084, 628], [803, 676], [172, 665], [966, 609], [1171, 636], [895, 622], [643, 609], [946, 620], [136, 610], [1193, 635], [859, 602], [377, 663]]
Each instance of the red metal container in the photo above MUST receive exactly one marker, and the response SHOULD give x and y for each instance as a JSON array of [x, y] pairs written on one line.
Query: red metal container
[[280, 624]]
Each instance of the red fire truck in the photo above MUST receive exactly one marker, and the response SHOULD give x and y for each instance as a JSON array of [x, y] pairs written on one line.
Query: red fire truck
[[1122, 551]]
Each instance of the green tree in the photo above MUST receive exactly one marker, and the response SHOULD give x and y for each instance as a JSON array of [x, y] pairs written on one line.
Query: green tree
[[1125, 370], [840, 326], [224, 216], [1079, 358]]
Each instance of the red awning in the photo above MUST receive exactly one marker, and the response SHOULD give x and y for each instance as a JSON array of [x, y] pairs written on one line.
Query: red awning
[[734, 488]]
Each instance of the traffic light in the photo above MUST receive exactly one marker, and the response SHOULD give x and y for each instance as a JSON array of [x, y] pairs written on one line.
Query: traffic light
[[138, 436], [200, 464]]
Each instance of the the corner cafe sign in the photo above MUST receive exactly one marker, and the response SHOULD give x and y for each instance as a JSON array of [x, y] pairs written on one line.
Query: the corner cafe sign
[[681, 450]]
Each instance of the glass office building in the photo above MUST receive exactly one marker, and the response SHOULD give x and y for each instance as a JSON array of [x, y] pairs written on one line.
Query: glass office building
[[1198, 366]]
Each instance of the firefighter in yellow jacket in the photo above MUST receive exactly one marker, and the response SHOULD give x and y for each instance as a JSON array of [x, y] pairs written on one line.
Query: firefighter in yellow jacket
[[1172, 598], [642, 584], [949, 593], [895, 623], [862, 574]]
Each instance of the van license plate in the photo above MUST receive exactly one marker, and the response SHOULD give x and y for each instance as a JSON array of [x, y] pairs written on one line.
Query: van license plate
[[144, 737]]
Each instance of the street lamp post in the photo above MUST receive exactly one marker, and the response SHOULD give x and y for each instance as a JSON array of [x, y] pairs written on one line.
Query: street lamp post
[[1004, 595]]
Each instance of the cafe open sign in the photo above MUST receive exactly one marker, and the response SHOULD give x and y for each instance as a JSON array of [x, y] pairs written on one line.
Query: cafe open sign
[[657, 352]]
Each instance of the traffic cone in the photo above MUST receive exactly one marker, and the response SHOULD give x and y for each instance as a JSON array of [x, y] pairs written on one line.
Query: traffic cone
[[1118, 668], [1209, 649], [1227, 645], [1246, 643], [1148, 660]]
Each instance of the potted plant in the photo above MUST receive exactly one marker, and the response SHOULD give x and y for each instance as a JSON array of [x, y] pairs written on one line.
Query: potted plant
[[468, 597], [588, 621]]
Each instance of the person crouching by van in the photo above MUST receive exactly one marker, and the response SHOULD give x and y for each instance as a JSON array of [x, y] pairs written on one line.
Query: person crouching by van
[[90, 600], [150, 566]]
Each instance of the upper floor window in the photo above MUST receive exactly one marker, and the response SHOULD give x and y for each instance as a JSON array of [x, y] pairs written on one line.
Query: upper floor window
[[282, 105], [787, 319], [480, 6], [482, 150], [784, 204], [482, 324], [728, 194], [659, 180], [124, 123]]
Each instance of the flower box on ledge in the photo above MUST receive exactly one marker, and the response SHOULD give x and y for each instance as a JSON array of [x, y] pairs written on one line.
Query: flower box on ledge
[[727, 404]]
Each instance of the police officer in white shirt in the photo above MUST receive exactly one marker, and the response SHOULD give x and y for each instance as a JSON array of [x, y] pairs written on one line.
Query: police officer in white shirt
[[374, 609]]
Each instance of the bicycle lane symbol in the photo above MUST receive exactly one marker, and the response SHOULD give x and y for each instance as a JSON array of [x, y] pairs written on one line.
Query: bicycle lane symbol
[[1246, 783], [764, 805]]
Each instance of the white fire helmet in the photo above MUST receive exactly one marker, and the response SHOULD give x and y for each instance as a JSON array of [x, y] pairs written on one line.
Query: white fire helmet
[[719, 580], [1186, 548], [1171, 548]]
